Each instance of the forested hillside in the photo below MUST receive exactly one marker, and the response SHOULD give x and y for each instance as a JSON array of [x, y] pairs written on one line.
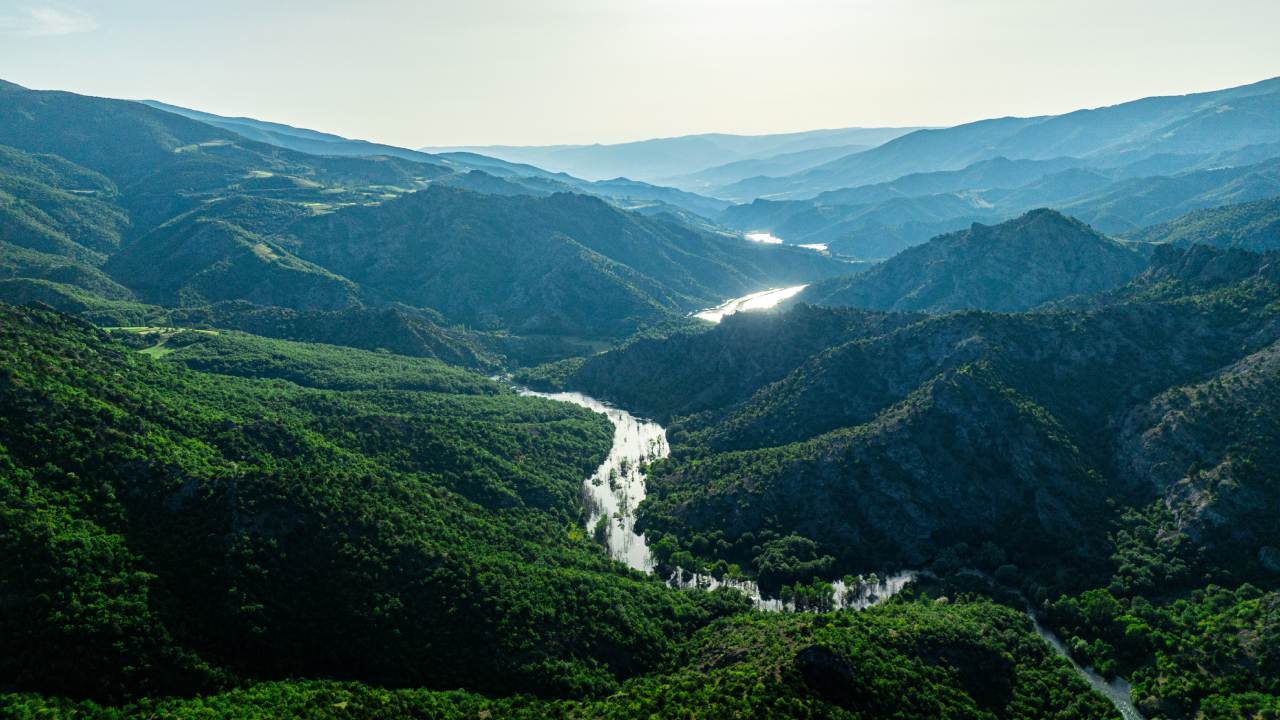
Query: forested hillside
[[272, 442], [1248, 226], [399, 522], [1128, 446], [566, 264], [384, 522], [125, 202]]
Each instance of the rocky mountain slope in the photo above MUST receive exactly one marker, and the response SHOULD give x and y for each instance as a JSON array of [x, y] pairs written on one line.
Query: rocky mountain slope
[[881, 446], [1009, 267]]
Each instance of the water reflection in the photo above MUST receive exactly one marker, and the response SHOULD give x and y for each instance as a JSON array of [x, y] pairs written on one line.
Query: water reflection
[[755, 301], [614, 490]]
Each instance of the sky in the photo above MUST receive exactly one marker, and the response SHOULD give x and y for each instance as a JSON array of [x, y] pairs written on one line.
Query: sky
[[476, 72]]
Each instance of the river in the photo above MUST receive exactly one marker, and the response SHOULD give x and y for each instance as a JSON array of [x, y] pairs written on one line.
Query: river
[[768, 238], [1117, 690], [618, 485], [762, 300], [763, 237]]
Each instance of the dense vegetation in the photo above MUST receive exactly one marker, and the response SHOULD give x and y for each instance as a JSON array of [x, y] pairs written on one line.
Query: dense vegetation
[[908, 659], [720, 367], [147, 205], [179, 530], [260, 469], [1214, 652], [401, 522], [1248, 226], [309, 364]]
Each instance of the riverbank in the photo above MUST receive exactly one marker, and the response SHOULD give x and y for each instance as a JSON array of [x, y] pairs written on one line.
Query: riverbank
[[614, 491]]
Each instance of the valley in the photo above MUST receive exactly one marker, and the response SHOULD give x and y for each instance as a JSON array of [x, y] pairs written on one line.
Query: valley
[[614, 491], [970, 421], [616, 488]]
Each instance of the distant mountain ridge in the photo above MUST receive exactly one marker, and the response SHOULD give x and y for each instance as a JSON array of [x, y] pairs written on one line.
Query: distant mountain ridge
[[1186, 124], [525, 177], [301, 139], [669, 160], [720, 175], [876, 221]]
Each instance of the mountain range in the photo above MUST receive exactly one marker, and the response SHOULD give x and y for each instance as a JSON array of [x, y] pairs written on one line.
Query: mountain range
[[269, 444], [692, 162], [1195, 124], [876, 221], [1119, 168], [631, 193], [180, 213]]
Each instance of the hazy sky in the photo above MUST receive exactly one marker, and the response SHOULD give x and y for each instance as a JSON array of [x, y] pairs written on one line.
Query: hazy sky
[[429, 72]]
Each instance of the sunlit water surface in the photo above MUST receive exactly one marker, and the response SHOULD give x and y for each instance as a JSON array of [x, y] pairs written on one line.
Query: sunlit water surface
[[755, 301], [763, 237], [616, 487]]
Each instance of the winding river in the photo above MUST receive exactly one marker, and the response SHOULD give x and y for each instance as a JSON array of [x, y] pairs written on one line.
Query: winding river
[[768, 238], [616, 488]]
